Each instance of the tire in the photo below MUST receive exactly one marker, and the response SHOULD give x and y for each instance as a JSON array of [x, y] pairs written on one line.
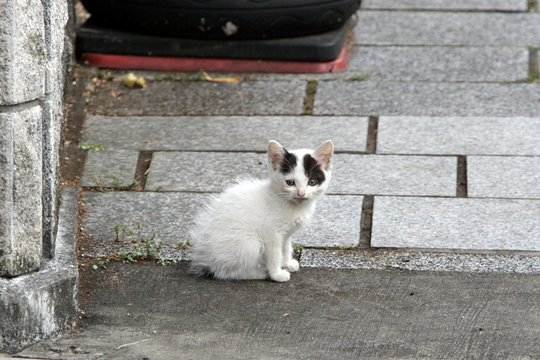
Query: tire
[[222, 19]]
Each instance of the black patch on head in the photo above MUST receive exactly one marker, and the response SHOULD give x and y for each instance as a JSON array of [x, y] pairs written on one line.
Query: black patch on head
[[288, 163], [313, 169]]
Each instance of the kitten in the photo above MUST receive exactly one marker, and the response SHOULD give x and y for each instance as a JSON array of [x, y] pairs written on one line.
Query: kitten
[[245, 233]]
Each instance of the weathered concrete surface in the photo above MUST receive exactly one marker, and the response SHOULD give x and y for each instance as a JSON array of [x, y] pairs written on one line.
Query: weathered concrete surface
[[110, 168], [447, 28], [44, 303], [231, 133], [200, 98], [499, 5], [458, 135], [439, 63], [508, 177], [427, 99], [446, 223], [319, 314], [20, 191], [22, 51]]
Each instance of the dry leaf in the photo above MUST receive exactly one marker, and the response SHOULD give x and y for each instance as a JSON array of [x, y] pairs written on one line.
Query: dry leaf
[[133, 81], [222, 80]]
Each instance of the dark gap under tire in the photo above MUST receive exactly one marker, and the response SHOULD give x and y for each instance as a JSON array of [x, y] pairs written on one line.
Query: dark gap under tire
[[222, 19]]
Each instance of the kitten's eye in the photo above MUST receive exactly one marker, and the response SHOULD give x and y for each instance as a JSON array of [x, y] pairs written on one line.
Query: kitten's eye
[[312, 182], [289, 182]]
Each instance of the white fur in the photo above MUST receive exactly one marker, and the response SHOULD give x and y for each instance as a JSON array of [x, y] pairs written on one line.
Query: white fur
[[245, 233]]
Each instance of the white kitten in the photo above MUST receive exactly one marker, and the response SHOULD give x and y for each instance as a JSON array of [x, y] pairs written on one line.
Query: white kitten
[[245, 233]]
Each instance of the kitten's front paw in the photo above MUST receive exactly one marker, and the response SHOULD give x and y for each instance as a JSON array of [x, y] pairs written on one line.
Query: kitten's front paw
[[280, 275], [293, 265]]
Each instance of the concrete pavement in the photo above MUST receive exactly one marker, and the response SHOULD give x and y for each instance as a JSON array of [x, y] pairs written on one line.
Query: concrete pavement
[[160, 312]]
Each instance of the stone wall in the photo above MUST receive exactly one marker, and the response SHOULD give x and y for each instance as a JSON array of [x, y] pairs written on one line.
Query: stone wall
[[34, 52], [38, 268]]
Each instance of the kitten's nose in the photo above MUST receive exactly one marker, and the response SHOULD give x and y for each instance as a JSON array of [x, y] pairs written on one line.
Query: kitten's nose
[[301, 192]]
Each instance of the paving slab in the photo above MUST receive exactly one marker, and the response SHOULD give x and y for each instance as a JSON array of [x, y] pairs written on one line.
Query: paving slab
[[110, 168], [449, 64], [142, 215], [458, 223], [336, 223], [169, 216], [471, 5], [426, 99], [203, 171], [382, 259], [200, 98], [459, 135], [221, 133], [158, 312], [394, 175], [352, 174], [447, 28], [507, 177]]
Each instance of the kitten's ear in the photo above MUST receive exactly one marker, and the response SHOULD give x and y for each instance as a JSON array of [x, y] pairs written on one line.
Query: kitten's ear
[[324, 153], [275, 154]]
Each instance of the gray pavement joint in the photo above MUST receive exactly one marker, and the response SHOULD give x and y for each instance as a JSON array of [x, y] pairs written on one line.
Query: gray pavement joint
[[534, 65], [373, 128], [461, 184], [309, 97], [144, 161], [366, 221]]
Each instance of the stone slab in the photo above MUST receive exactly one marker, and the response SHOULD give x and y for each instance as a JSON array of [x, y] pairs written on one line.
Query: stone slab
[[20, 191], [53, 126], [352, 174], [394, 175], [506, 177], [426, 99], [448, 64], [446, 223], [59, 42], [139, 216], [336, 223], [459, 135], [218, 133], [203, 171], [382, 259], [22, 51], [471, 5], [110, 168], [446, 28], [200, 98], [44, 303], [169, 216]]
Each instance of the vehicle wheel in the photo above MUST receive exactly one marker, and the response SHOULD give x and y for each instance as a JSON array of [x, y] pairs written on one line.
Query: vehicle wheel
[[222, 19]]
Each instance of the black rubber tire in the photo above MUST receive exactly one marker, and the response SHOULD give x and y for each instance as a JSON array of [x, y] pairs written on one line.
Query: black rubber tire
[[222, 19]]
